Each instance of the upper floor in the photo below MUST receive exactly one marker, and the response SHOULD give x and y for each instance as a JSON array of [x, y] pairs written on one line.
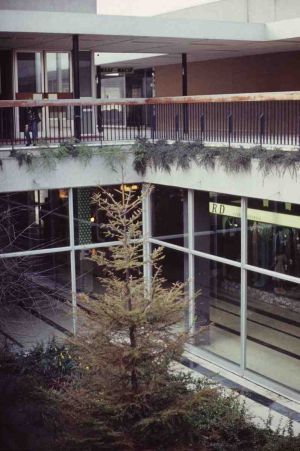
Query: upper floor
[[206, 82]]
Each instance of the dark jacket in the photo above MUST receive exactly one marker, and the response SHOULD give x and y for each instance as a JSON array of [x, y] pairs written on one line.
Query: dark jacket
[[32, 115]]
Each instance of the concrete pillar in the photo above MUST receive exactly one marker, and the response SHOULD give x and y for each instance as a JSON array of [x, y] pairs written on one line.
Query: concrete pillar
[[184, 92], [98, 94], [76, 85]]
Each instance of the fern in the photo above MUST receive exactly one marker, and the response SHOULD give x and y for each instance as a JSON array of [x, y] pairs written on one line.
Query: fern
[[163, 156]]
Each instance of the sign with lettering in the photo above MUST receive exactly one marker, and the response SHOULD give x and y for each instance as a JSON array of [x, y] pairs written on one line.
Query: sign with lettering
[[268, 217], [115, 70]]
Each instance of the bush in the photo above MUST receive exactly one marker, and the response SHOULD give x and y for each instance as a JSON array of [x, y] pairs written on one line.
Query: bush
[[28, 414]]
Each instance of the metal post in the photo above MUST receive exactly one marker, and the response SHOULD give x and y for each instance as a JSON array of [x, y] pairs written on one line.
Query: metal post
[[72, 259], [153, 126], [76, 85], [202, 127], [244, 251], [229, 128], [262, 124], [146, 222], [191, 246]]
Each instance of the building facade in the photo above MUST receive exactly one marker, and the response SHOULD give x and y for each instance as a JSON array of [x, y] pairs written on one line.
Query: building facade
[[232, 232]]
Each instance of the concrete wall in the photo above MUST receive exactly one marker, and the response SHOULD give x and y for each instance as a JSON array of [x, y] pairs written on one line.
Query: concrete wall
[[225, 10], [73, 173], [255, 11], [75, 6], [253, 184], [67, 173], [258, 73]]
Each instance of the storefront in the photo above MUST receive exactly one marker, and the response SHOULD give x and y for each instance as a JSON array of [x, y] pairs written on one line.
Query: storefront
[[239, 258], [244, 269]]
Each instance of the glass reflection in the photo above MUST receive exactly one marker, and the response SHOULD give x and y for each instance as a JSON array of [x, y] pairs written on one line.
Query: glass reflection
[[217, 224], [273, 238], [58, 72], [169, 214], [217, 309], [34, 220], [29, 72], [273, 325]]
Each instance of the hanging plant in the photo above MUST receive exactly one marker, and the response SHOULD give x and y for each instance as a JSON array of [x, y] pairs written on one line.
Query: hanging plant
[[162, 156], [23, 158]]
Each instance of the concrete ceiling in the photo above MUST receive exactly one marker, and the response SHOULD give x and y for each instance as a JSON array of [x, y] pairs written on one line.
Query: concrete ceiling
[[201, 41]]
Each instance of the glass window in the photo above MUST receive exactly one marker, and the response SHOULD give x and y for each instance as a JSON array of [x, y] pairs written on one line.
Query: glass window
[[89, 218], [169, 214], [174, 268], [217, 309], [274, 237], [35, 292], [113, 87], [29, 72], [58, 72], [88, 272], [273, 326], [217, 224], [34, 220], [85, 74]]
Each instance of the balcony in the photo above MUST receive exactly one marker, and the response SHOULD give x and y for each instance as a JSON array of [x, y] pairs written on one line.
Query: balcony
[[271, 119]]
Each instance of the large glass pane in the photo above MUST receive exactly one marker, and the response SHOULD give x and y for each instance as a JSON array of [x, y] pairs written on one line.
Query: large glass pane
[[217, 224], [29, 72], [58, 72], [88, 272], [217, 309], [112, 87], [273, 237], [169, 214], [273, 325], [33, 220], [89, 218], [34, 298], [174, 268]]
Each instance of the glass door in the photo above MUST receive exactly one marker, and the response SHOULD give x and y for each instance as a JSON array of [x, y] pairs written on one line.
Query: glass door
[[88, 120], [28, 85], [113, 87], [59, 120]]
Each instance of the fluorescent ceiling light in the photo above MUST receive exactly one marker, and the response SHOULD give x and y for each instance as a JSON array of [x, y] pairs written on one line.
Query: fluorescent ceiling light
[[111, 58]]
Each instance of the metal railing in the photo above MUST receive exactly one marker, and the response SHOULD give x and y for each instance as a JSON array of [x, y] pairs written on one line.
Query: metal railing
[[259, 118]]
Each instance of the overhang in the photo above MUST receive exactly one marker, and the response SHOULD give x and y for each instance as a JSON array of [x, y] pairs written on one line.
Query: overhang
[[201, 40]]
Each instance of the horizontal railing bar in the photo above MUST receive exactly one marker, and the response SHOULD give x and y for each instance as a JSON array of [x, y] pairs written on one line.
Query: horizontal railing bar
[[216, 98]]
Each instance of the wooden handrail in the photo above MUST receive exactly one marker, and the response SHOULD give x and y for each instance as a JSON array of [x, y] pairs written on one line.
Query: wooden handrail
[[216, 98]]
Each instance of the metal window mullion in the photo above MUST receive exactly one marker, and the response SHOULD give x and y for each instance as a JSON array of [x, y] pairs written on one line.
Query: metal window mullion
[[146, 230], [243, 309], [270, 273], [191, 262], [72, 260], [212, 257], [51, 250]]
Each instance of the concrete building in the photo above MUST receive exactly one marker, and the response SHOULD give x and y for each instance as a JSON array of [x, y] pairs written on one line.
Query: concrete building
[[226, 74]]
